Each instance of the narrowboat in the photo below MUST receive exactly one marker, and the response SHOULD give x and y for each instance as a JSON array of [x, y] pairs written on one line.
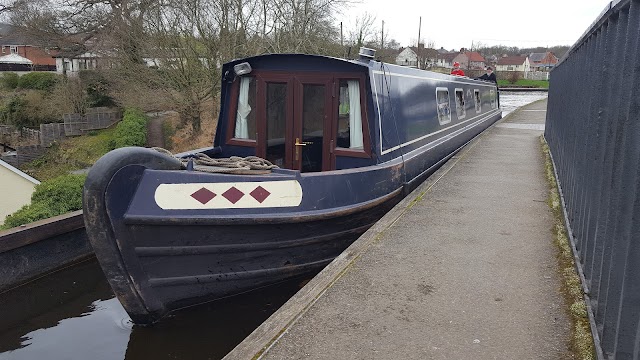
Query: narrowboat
[[350, 138]]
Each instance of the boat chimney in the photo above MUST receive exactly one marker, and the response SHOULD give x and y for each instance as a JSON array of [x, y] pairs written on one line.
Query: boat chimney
[[366, 54]]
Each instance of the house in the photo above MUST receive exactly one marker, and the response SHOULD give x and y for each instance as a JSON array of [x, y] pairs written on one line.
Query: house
[[446, 60], [17, 188], [466, 59], [544, 61], [476, 61], [70, 63], [513, 63], [417, 57], [14, 41]]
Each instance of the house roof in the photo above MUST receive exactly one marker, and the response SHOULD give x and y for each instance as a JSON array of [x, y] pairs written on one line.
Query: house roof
[[17, 171], [15, 59], [448, 56], [474, 56], [537, 57], [428, 52], [512, 60]]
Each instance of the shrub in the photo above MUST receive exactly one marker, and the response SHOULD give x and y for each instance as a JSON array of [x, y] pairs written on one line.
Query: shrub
[[27, 214], [63, 193], [9, 80], [514, 76], [96, 88], [54, 197], [38, 81], [132, 130], [14, 112]]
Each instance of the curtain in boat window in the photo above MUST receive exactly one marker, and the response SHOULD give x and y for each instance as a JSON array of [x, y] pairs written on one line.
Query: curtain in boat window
[[355, 118], [244, 109]]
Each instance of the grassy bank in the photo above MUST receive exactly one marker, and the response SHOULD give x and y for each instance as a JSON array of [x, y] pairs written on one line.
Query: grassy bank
[[581, 339], [61, 192], [83, 151], [522, 83]]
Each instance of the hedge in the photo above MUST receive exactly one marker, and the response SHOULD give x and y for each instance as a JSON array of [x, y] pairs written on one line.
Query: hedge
[[38, 81], [54, 197], [9, 80], [132, 130]]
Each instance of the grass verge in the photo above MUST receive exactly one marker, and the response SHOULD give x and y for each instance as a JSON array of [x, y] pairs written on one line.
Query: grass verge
[[524, 83], [581, 339]]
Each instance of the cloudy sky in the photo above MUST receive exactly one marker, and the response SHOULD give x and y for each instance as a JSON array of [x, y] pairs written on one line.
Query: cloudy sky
[[454, 24]]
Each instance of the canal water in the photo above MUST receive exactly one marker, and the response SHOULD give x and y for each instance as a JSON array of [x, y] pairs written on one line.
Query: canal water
[[511, 100], [72, 314]]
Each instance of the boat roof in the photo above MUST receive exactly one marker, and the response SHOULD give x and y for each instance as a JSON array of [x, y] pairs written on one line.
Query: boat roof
[[296, 55]]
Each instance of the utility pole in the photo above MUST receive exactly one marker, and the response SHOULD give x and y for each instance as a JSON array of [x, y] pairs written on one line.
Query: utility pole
[[418, 54], [382, 36], [341, 39], [419, 28]]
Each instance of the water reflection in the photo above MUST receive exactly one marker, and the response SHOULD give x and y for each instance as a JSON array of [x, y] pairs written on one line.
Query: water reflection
[[73, 315]]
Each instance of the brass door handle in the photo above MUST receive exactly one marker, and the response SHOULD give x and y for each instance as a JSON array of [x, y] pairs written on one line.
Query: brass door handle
[[298, 143]]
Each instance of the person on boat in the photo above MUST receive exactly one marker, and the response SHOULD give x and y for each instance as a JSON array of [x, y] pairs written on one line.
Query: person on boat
[[489, 76], [456, 69]]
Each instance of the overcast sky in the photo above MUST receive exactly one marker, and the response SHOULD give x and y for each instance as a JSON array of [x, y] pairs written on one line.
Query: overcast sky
[[454, 24]]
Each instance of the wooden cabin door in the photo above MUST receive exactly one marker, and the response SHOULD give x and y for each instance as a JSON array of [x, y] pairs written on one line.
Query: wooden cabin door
[[296, 126], [311, 124]]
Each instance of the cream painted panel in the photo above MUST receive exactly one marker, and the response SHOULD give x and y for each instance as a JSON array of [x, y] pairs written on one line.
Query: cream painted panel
[[180, 196]]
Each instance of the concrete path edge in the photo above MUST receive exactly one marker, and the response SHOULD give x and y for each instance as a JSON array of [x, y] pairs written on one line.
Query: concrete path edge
[[268, 333]]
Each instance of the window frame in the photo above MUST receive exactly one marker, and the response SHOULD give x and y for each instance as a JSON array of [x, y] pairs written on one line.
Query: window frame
[[365, 152], [477, 100], [442, 88], [464, 103]]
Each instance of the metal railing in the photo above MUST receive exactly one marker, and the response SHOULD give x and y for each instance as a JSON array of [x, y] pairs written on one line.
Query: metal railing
[[593, 131]]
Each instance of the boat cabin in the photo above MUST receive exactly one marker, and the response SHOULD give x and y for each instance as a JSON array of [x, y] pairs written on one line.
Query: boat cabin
[[305, 119]]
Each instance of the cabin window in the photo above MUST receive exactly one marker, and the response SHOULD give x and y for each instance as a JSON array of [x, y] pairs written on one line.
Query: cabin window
[[476, 97], [245, 127], [349, 116], [492, 96], [461, 110], [14, 49], [444, 108]]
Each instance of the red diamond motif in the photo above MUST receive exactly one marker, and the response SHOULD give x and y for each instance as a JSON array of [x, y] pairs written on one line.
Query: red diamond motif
[[260, 194], [233, 195], [203, 195]]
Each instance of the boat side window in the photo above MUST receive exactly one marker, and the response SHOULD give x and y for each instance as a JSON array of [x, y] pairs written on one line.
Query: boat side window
[[492, 98], [444, 108], [476, 97], [245, 123], [349, 134], [461, 110]]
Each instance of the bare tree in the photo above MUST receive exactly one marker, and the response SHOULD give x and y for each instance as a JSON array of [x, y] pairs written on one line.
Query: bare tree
[[364, 30]]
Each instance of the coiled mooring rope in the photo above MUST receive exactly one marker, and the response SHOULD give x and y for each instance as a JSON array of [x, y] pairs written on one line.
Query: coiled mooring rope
[[250, 165]]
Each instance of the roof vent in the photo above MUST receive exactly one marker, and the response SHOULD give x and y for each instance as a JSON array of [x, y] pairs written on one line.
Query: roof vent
[[366, 54]]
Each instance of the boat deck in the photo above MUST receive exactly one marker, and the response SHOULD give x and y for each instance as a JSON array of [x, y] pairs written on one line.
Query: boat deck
[[463, 268]]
